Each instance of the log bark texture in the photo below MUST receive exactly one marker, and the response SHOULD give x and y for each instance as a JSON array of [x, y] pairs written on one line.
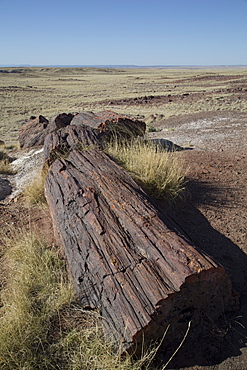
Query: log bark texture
[[125, 260], [33, 133], [111, 123], [90, 130], [61, 142]]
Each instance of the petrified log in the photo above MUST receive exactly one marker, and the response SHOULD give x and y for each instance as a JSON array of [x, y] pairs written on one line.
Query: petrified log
[[110, 123], [63, 120], [85, 129], [31, 133], [71, 137], [124, 259], [86, 118], [120, 125]]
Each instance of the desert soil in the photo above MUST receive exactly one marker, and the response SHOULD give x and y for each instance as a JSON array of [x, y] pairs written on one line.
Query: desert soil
[[213, 214]]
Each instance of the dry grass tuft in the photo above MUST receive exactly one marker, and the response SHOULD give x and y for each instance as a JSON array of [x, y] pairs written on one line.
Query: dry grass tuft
[[34, 193], [41, 327], [5, 167], [159, 172], [35, 291]]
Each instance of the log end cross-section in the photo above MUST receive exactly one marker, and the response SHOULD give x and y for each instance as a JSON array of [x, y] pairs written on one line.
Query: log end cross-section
[[123, 259]]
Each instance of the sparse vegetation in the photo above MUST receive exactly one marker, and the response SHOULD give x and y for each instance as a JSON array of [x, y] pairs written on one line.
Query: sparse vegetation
[[159, 172], [49, 91], [151, 128]]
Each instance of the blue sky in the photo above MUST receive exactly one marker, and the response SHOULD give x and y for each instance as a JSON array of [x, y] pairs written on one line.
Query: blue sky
[[120, 32]]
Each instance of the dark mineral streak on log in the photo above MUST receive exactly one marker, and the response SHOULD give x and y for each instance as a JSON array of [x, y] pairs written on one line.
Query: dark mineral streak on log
[[124, 260]]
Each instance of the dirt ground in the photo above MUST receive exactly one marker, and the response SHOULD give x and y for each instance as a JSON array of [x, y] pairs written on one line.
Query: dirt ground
[[213, 214]]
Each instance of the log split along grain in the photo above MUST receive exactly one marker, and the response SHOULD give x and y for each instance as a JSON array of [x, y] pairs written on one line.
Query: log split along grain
[[124, 259]]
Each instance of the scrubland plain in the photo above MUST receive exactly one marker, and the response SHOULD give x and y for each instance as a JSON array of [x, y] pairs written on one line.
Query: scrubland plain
[[142, 93], [203, 109]]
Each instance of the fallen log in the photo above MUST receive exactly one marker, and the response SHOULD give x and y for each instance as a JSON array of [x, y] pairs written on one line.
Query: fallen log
[[61, 142], [34, 132], [88, 130], [124, 259], [111, 123]]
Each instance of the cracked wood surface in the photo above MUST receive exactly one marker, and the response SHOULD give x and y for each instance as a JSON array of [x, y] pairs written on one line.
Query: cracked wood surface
[[124, 259], [71, 137]]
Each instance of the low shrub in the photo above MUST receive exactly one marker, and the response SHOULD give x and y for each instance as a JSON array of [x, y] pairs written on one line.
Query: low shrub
[[151, 128]]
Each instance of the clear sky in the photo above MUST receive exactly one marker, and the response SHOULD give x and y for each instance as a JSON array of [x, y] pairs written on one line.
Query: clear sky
[[121, 32]]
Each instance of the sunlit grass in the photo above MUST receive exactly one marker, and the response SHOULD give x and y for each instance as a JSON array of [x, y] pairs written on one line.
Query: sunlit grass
[[158, 171], [34, 193], [36, 289], [41, 326], [5, 167]]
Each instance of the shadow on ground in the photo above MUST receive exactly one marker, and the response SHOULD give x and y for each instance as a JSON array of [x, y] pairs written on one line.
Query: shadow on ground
[[210, 343], [5, 188]]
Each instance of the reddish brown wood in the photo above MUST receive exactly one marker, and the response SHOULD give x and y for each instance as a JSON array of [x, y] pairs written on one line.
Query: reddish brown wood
[[91, 130], [33, 133], [108, 123], [111, 123], [124, 259], [61, 142]]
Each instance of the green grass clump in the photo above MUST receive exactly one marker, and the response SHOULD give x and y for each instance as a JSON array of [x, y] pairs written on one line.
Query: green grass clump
[[159, 172], [151, 128]]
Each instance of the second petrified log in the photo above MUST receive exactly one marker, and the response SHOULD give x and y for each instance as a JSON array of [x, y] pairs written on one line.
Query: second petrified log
[[109, 123], [124, 259]]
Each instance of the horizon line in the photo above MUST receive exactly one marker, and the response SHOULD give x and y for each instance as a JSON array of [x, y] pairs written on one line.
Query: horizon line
[[119, 65]]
